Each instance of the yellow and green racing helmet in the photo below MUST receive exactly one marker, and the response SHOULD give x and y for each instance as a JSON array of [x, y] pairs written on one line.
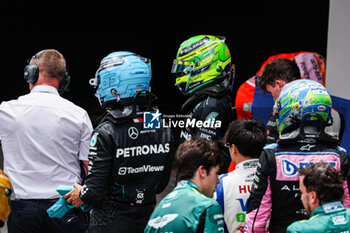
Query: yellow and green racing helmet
[[200, 61], [299, 98], [5, 192]]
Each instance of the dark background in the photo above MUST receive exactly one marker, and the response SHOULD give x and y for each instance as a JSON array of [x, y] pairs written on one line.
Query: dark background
[[86, 32]]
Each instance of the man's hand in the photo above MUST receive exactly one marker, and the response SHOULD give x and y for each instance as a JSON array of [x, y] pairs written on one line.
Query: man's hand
[[73, 197]]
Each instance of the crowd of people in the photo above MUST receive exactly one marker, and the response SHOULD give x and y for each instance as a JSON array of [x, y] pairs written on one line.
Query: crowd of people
[[61, 174]]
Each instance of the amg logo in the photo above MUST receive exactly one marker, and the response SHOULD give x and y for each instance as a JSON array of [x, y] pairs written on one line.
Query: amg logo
[[135, 170], [142, 150]]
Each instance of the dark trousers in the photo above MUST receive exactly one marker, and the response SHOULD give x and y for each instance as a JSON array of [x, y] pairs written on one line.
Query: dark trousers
[[30, 216], [123, 219]]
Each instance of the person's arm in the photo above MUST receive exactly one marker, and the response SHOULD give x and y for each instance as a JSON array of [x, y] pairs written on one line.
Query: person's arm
[[168, 166], [95, 187], [260, 200], [271, 129], [100, 166], [84, 145], [85, 137], [219, 196], [345, 170], [214, 220], [216, 117], [295, 228], [86, 165], [220, 122]]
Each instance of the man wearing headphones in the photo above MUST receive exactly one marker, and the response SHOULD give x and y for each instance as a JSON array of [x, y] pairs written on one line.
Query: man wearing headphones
[[44, 138]]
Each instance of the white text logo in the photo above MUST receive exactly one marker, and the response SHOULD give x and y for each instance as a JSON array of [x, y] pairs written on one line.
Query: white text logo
[[143, 150]]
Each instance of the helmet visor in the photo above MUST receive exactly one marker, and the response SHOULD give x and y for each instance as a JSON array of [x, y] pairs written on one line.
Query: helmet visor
[[180, 66]]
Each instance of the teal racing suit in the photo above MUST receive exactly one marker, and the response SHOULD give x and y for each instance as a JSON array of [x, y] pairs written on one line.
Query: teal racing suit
[[329, 217], [186, 209]]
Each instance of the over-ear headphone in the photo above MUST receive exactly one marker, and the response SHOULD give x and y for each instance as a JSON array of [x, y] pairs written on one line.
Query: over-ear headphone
[[31, 74]]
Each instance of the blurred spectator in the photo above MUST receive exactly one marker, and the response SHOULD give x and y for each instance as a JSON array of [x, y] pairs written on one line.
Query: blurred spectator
[[245, 139], [303, 114], [189, 207], [45, 140], [250, 99], [321, 187], [275, 75]]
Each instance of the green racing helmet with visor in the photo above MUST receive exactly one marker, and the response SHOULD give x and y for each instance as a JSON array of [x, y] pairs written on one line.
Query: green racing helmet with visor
[[200, 61]]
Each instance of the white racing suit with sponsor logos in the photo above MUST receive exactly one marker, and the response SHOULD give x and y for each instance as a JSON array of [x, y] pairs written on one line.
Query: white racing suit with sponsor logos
[[129, 165], [275, 194], [232, 194]]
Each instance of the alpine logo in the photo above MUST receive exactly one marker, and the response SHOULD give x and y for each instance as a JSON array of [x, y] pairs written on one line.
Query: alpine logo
[[290, 169]]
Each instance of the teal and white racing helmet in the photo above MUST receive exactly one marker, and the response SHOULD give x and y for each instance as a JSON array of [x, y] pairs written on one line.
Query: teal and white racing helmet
[[121, 76]]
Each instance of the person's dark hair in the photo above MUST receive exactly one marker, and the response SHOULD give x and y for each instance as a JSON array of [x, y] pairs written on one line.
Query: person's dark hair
[[196, 152], [248, 135], [325, 180], [278, 69]]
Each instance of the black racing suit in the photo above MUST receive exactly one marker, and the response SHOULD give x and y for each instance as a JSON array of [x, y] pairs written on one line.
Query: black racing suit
[[275, 191], [128, 166], [210, 104]]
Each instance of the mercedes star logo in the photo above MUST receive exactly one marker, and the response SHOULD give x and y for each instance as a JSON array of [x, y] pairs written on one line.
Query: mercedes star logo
[[133, 132]]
